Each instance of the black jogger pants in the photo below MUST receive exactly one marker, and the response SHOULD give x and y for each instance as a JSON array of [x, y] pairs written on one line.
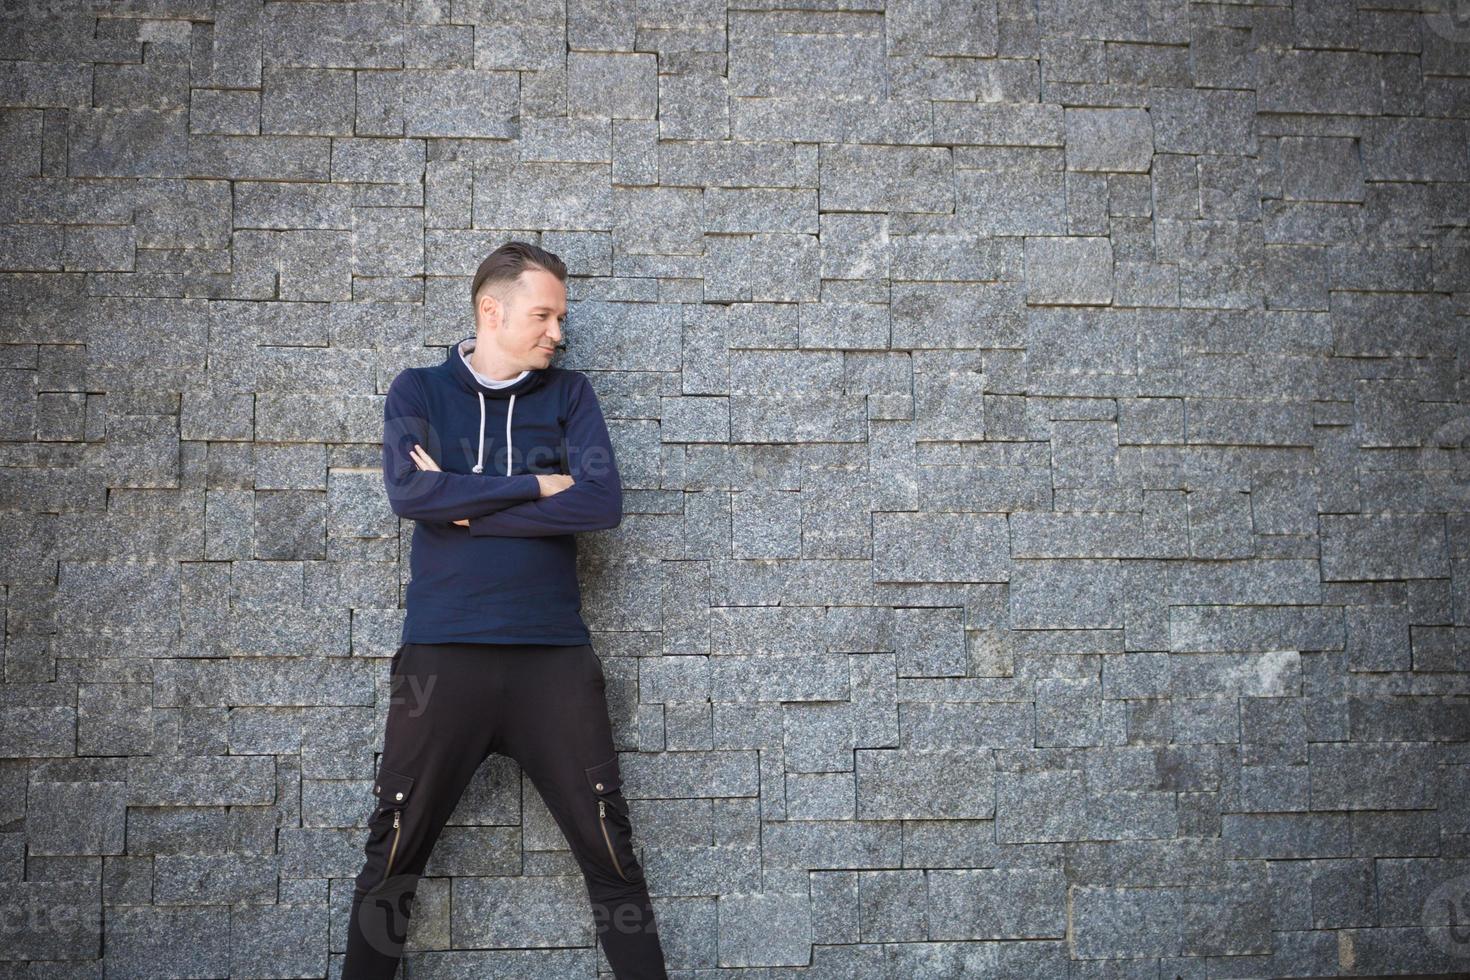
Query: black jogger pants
[[545, 707]]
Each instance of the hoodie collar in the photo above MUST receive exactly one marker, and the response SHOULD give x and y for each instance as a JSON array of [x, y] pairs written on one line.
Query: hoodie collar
[[529, 380]]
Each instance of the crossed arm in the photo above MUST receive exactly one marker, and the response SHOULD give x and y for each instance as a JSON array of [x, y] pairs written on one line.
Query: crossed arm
[[550, 483], [511, 506]]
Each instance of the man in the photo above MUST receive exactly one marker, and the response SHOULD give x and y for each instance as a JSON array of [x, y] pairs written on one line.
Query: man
[[499, 459]]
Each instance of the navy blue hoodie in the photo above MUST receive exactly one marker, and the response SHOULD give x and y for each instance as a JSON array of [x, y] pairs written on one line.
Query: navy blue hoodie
[[511, 575]]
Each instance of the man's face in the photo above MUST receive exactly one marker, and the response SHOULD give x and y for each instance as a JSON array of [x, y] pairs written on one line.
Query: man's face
[[526, 328]]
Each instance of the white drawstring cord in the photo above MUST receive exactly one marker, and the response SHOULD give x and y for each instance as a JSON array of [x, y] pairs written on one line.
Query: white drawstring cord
[[480, 456], [508, 446]]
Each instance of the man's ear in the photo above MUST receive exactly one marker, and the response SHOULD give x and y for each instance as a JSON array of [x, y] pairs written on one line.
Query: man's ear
[[491, 308]]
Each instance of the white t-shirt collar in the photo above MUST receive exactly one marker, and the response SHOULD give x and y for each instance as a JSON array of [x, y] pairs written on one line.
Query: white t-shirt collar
[[468, 346]]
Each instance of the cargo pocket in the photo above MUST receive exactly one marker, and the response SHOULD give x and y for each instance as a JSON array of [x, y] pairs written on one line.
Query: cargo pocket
[[613, 821], [392, 790]]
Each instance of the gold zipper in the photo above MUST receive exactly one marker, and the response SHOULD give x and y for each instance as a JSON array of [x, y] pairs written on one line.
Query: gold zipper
[[602, 822], [394, 849]]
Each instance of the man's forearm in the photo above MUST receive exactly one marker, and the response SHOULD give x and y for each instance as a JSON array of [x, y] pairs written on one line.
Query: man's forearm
[[594, 499], [435, 495], [590, 506]]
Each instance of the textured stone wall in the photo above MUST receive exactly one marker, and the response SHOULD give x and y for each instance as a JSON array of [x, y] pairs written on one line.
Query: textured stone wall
[[1046, 546]]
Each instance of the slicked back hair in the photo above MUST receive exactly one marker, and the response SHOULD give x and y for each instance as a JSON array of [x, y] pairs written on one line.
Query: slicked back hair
[[502, 267]]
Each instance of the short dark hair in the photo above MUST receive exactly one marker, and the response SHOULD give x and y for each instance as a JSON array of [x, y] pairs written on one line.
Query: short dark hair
[[503, 267]]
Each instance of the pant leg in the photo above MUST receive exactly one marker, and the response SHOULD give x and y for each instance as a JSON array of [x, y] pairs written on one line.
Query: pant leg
[[440, 728], [557, 728]]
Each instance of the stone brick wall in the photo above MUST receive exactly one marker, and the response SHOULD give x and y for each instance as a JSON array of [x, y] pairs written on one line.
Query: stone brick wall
[[1046, 547]]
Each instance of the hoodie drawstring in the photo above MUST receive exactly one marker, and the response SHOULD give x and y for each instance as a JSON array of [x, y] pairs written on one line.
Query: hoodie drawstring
[[508, 447], [480, 456]]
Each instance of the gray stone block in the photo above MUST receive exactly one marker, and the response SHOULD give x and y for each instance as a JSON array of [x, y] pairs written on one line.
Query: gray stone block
[[893, 906], [1069, 271], [1124, 923], [1045, 547], [521, 911], [1116, 140], [1285, 835], [1001, 903], [1382, 776], [459, 102], [307, 101], [924, 784], [1383, 547], [1343, 894], [1040, 806], [938, 547], [149, 940], [765, 929]]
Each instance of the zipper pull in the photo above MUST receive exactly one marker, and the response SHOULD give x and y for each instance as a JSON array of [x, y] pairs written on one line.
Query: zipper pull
[[601, 809], [395, 819]]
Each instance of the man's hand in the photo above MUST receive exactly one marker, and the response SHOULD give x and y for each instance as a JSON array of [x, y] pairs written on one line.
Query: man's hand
[[424, 461], [421, 458], [554, 483]]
